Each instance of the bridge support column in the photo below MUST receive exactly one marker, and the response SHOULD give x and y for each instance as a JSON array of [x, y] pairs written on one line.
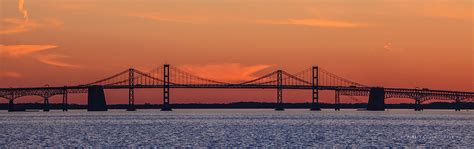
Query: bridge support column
[[11, 105], [46, 104], [131, 90], [376, 99], [458, 104], [279, 103], [65, 99], [337, 101], [166, 88], [96, 99], [418, 106], [315, 88]]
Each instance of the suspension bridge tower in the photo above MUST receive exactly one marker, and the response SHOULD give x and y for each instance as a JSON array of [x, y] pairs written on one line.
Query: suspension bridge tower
[[315, 89], [131, 90], [279, 103], [166, 88]]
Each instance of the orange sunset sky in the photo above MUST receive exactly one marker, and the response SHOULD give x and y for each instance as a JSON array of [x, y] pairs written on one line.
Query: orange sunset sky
[[392, 43]]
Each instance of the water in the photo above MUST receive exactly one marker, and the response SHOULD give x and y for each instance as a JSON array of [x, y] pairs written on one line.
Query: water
[[237, 128]]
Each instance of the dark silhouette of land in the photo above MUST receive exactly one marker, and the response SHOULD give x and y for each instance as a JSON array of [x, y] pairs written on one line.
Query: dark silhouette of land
[[244, 105]]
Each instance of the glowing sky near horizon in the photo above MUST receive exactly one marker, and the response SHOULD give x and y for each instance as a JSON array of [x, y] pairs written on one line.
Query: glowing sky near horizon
[[393, 43]]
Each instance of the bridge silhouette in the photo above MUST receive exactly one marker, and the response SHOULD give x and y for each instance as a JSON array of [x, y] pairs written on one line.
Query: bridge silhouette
[[167, 77]]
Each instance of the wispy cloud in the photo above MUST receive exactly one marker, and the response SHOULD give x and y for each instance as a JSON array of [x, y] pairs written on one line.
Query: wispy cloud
[[10, 74], [16, 25], [22, 9], [179, 19], [327, 23], [390, 47], [16, 51], [55, 60], [22, 50], [225, 72], [12, 26]]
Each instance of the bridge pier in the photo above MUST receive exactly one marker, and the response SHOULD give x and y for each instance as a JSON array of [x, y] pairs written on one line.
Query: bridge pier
[[11, 105], [458, 105], [418, 106], [96, 99], [166, 88], [46, 104], [131, 90], [65, 99], [315, 89], [337, 101], [279, 104], [376, 99]]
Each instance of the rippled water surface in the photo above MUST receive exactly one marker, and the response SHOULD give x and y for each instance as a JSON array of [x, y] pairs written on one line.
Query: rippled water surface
[[238, 128]]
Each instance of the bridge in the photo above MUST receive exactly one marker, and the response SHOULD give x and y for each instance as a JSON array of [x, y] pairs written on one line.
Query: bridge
[[166, 77]]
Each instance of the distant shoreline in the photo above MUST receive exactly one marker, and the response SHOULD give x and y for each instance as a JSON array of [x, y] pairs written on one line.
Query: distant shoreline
[[244, 105]]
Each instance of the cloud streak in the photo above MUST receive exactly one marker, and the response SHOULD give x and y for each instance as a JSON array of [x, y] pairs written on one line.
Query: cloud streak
[[16, 25], [55, 60], [16, 51], [322, 23], [21, 8], [22, 50], [233, 72], [191, 19], [160, 18], [389, 47], [10, 74]]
